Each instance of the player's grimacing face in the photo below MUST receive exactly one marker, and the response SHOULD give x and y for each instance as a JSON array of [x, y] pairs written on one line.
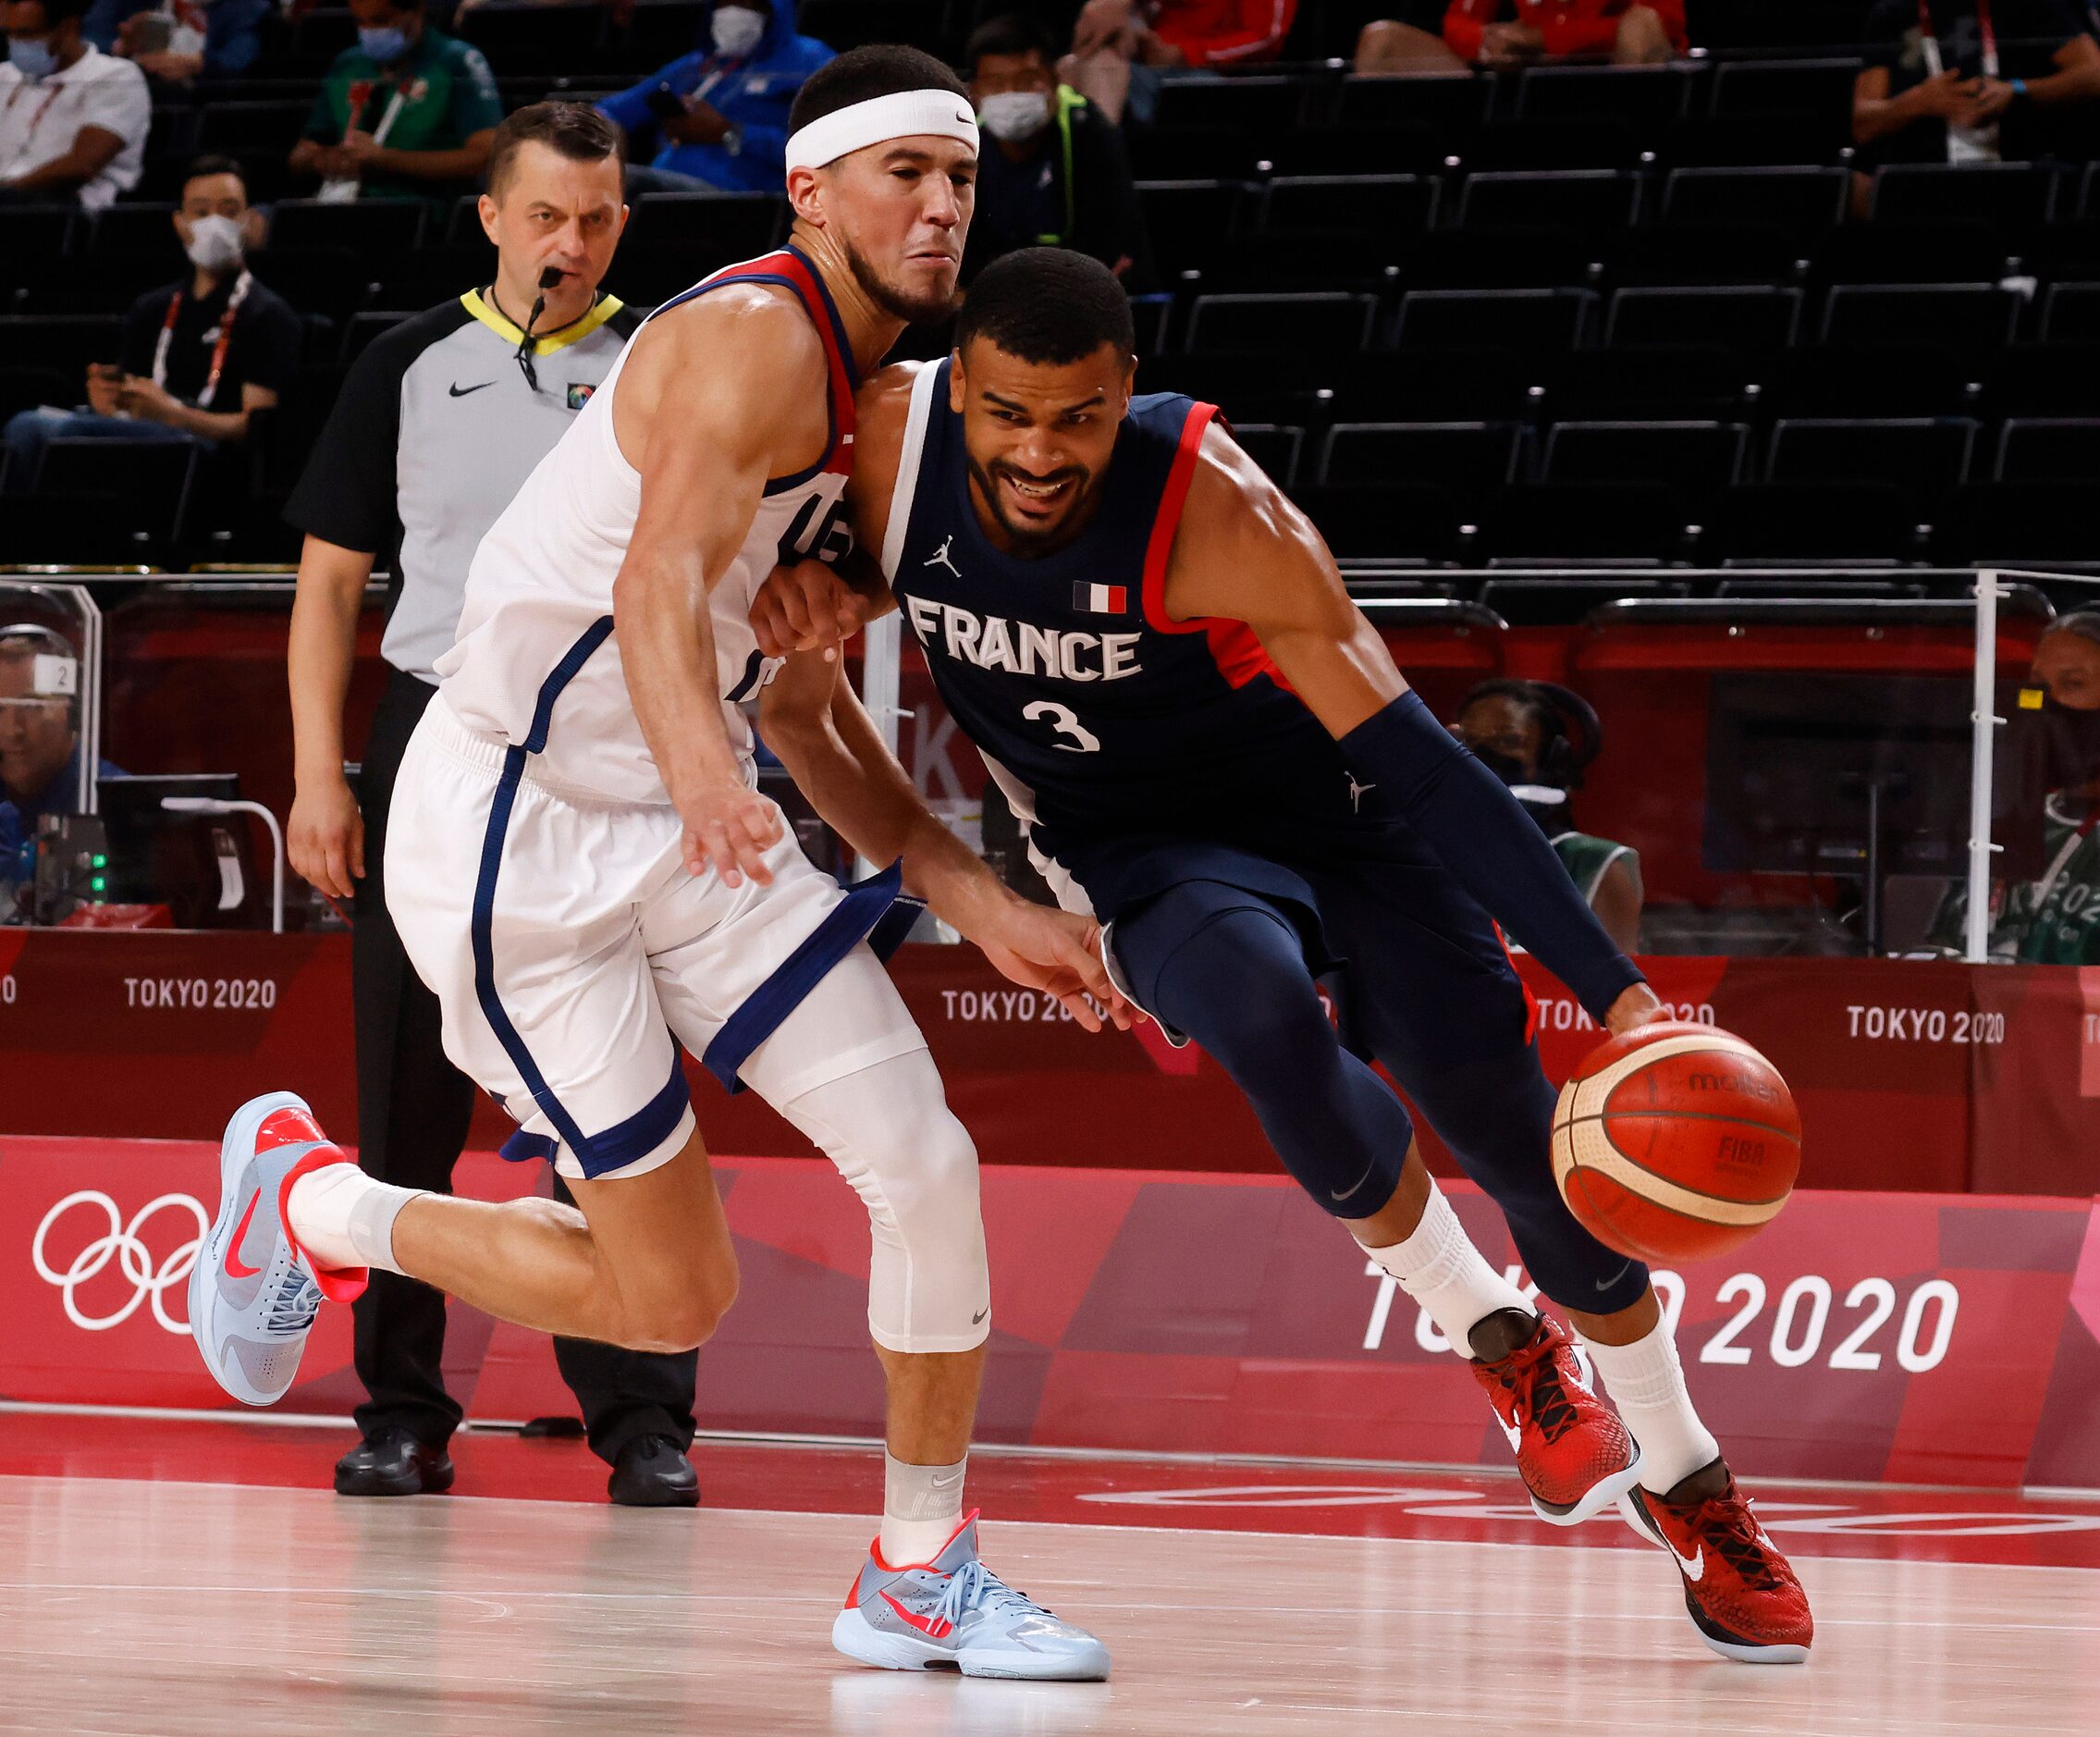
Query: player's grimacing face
[[1038, 436], [900, 211]]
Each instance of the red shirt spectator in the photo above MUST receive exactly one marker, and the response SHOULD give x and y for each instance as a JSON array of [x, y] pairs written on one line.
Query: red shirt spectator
[[1225, 32], [1568, 27]]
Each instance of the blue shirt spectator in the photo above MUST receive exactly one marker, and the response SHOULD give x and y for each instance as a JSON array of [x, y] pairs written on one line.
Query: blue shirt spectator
[[719, 115], [217, 38]]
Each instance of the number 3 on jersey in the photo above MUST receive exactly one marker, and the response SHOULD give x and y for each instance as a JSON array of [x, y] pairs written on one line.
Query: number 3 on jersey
[[1066, 722]]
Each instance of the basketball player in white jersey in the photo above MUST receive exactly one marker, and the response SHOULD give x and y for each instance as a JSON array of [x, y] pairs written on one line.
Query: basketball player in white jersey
[[582, 870]]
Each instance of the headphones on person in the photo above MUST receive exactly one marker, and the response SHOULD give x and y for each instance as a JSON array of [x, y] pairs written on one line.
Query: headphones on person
[[1574, 739], [57, 664]]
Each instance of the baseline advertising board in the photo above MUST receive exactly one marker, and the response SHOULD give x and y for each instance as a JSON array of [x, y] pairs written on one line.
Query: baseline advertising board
[[1866, 1336]]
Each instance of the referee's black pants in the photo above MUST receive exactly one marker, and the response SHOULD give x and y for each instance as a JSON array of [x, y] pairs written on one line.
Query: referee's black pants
[[412, 1111]]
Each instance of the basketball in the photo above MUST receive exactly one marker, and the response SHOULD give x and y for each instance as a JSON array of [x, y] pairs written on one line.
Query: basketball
[[1676, 1143]]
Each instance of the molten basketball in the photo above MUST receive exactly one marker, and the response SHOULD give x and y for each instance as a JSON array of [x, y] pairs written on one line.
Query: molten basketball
[[1676, 1143]]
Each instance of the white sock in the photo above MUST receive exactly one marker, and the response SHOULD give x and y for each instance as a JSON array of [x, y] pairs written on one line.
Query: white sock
[[1647, 1384], [921, 1508], [342, 1217], [1440, 1269]]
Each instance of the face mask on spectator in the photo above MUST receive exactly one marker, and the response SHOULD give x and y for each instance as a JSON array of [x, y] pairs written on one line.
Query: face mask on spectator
[[1542, 802], [737, 30], [214, 243], [386, 45], [33, 57], [1014, 115]]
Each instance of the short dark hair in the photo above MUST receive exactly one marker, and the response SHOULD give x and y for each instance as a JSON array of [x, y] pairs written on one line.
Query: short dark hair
[[58, 11], [1047, 305], [1526, 698], [213, 163], [860, 75], [1009, 34], [575, 131]]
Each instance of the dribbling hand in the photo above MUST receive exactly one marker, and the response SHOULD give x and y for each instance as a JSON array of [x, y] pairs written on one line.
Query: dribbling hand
[[1635, 1007], [729, 827]]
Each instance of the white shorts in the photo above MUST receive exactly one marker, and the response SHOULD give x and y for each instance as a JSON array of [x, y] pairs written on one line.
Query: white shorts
[[573, 954]]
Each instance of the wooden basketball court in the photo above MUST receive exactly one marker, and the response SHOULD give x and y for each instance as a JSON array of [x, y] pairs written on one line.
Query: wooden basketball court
[[169, 1578]]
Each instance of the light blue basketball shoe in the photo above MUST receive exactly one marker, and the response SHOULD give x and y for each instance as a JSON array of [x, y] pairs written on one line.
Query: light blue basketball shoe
[[252, 1298], [955, 1614]]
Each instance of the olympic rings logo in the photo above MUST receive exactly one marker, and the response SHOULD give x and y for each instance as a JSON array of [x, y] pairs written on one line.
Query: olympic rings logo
[[122, 1243]]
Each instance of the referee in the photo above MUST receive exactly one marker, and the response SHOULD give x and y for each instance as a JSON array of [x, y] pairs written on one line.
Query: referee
[[438, 425]]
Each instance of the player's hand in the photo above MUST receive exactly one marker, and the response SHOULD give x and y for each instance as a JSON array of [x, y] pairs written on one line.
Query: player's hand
[[730, 826], [325, 837], [1059, 953], [805, 607], [1635, 1007]]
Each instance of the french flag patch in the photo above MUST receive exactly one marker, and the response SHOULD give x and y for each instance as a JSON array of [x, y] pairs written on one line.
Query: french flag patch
[[1100, 599]]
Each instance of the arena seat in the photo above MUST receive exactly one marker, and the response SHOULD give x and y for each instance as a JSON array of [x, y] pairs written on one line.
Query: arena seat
[[2071, 313], [1299, 324], [1837, 523], [1924, 457], [1650, 99], [1469, 459], [1754, 318], [1962, 316], [1695, 457], [1273, 446], [2012, 197], [1802, 202], [1533, 322], [1591, 200], [2048, 449], [377, 228]]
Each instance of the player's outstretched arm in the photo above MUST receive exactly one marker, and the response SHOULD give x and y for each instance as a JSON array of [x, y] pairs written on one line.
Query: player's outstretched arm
[[813, 721], [1245, 553]]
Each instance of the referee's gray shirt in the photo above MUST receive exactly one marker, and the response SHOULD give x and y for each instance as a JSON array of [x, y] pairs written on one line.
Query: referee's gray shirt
[[434, 432]]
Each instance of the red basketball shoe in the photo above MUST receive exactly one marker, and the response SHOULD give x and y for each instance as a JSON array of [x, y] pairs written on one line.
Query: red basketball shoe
[[1574, 1455], [1742, 1593]]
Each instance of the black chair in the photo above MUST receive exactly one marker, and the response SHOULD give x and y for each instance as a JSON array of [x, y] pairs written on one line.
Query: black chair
[[1804, 202], [1385, 210], [2048, 449], [250, 126], [134, 232], [1188, 220], [1923, 455], [30, 236], [1718, 253], [74, 529], [1787, 87], [661, 31], [1752, 318], [1469, 459], [1789, 25], [1194, 154], [364, 328], [2012, 197], [1347, 151], [1298, 262], [1657, 382], [63, 343], [1551, 146], [32, 387], [741, 226], [2019, 521], [1966, 318], [1502, 259], [1650, 98], [1831, 522], [541, 38], [2071, 313], [1451, 104], [1695, 457], [1275, 447], [370, 227], [1585, 200], [2043, 380], [1909, 253], [1533, 322], [1480, 384], [1548, 522], [150, 480], [1327, 323], [1868, 380], [1384, 521], [1743, 142], [1259, 107]]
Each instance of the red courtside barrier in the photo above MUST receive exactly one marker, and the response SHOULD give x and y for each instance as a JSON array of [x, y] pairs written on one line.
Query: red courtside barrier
[[1867, 1336]]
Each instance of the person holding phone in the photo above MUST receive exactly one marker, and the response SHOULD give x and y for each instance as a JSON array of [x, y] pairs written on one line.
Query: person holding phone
[[719, 115], [175, 41]]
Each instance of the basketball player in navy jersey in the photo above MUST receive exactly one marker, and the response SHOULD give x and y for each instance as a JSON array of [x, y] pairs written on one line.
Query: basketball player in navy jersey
[[1212, 752]]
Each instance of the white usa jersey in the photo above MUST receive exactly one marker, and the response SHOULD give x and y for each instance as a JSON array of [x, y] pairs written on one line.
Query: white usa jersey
[[536, 663]]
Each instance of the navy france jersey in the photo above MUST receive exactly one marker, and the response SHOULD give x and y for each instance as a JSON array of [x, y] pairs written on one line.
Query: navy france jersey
[[1121, 738]]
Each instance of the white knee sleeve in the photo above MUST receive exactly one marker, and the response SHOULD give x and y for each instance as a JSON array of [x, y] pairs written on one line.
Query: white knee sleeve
[[891, 1132]]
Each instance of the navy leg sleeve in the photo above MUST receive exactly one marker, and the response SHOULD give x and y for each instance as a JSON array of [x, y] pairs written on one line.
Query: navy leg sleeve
[[1219, 964]]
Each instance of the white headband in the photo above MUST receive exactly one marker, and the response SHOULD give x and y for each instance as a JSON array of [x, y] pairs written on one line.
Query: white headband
[[903, 115]]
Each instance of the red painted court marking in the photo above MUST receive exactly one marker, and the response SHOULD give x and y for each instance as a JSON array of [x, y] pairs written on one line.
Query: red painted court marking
[[1809, 1520]]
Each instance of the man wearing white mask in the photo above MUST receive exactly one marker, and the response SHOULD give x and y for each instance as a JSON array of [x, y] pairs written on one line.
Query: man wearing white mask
[[1058, 176], [719, 115], [198, 356], [73, 120]]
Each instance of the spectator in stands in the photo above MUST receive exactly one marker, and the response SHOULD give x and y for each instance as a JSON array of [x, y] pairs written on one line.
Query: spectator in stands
[[73, 120], [1520, 732], [40, 737], [1496, 35], [198, 356], [408, 113], [1120, 48], [1971, 80], [1055, 174], [719, 115], [440, 422], [2054, 920], [177, 40]]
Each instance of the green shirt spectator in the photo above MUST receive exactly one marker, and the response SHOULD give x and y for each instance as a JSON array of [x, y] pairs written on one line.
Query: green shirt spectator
[[408, 113]]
